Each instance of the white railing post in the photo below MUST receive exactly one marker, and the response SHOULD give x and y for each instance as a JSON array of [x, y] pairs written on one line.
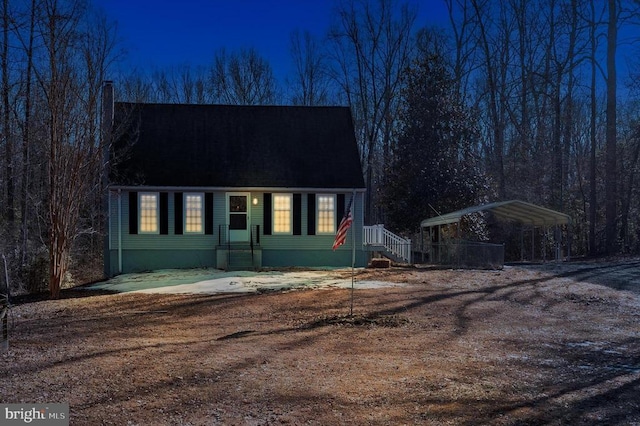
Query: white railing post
[[378, 235]]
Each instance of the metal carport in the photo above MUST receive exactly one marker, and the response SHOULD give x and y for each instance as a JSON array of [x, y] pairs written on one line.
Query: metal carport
[[513, 210]]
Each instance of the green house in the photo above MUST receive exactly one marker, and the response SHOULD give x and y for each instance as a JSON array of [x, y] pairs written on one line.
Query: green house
[[230, 187]]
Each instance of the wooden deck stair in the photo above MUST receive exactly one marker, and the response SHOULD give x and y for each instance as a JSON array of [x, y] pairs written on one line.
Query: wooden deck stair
[[396, 248]]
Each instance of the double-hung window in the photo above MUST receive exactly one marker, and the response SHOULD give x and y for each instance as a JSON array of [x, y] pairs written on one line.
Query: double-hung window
[[326, 216], [282, 213], [148, 213], [193, 213]]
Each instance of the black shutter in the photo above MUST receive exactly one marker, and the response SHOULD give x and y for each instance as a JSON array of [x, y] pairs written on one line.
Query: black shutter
[[178, 209], [208, 213], [311, 214], [267, 214], [339, 210], [164, 213], [297, 214], [133, 212]]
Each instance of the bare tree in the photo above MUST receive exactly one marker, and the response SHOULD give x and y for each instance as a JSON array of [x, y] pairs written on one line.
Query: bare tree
[[372, 46], [310, 81], [7, 133], [611, 181], [463, 27], [26, 169], [97, 48], [182, 84], [494, 64], [243, 78], [57, 25], [593, 22], [76, 57], [135, 87], [26, 132], [629, 160]]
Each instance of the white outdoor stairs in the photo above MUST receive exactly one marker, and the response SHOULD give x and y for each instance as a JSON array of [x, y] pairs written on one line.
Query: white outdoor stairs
[[396, 248]]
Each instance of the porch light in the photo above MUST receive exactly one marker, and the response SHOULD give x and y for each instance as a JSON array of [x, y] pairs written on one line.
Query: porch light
[[255, 201]]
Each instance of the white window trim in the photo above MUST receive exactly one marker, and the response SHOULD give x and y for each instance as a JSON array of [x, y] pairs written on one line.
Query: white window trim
[[335, 206], [157, 197], [184, 213], [273, 214]]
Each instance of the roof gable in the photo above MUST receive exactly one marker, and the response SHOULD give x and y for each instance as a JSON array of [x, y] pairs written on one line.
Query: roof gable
[[235, 146]]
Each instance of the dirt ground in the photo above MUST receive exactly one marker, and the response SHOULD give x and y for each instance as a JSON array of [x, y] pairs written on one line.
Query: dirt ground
[[531, 344]]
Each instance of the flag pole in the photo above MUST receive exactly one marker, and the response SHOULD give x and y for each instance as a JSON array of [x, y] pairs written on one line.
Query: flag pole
[[353, 254], [341, 238]]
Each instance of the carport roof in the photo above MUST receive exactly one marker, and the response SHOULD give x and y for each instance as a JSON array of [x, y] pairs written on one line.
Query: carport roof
[[514, 210]]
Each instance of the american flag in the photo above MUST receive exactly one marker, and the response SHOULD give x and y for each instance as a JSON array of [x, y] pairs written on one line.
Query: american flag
[[345, 223]]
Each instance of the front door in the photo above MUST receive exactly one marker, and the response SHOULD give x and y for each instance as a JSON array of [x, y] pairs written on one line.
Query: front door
[[238, 216]]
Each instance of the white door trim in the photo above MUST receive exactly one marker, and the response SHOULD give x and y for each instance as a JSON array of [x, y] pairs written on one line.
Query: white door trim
[[238, 235]]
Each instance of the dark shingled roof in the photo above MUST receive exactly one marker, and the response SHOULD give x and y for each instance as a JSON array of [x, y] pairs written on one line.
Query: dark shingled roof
[[235, 146]]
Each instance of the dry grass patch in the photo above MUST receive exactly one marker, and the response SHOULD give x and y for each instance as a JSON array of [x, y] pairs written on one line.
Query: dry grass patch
[[541, 345]]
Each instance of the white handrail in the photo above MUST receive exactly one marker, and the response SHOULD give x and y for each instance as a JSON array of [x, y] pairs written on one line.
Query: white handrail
[[377, 235]]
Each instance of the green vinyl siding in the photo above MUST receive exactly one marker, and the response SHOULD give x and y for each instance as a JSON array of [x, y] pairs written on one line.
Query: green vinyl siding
[[112, 238], [163, 241], [315, 250], [257, 213], [150, 260], [141, 252], [316, 242], [219, 213], [312, 258]]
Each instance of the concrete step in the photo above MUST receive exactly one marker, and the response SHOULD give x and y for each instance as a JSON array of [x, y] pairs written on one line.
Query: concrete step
[[240, 260]]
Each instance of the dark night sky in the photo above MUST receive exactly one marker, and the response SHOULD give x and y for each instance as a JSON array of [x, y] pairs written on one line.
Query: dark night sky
[[161, 33]]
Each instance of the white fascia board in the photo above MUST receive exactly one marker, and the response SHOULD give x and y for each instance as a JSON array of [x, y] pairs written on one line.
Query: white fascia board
[[229, 189]]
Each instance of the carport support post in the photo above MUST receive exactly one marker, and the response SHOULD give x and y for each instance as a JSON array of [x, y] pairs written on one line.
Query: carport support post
[[569, 241], [421, 244], [458, 249], [558, 244], [435, 250], [439, 242], [533, 245]]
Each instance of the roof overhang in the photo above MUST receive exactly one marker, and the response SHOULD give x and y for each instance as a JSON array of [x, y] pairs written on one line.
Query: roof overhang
[[229, 188], [513, 210], [151, 188]]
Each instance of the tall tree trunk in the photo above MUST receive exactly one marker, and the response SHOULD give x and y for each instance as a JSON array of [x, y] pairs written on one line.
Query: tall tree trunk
[[497, 123], [26, 149], [58, 242], [6, 124], [524, 129], [628, 192], [611, 181], [569, 118], [593, 201], [556, 133]]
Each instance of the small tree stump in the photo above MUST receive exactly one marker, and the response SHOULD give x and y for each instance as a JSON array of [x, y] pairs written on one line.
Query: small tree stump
[[380, 263]]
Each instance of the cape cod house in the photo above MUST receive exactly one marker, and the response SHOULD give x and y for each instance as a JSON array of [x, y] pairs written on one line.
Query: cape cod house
[[230, 187]]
